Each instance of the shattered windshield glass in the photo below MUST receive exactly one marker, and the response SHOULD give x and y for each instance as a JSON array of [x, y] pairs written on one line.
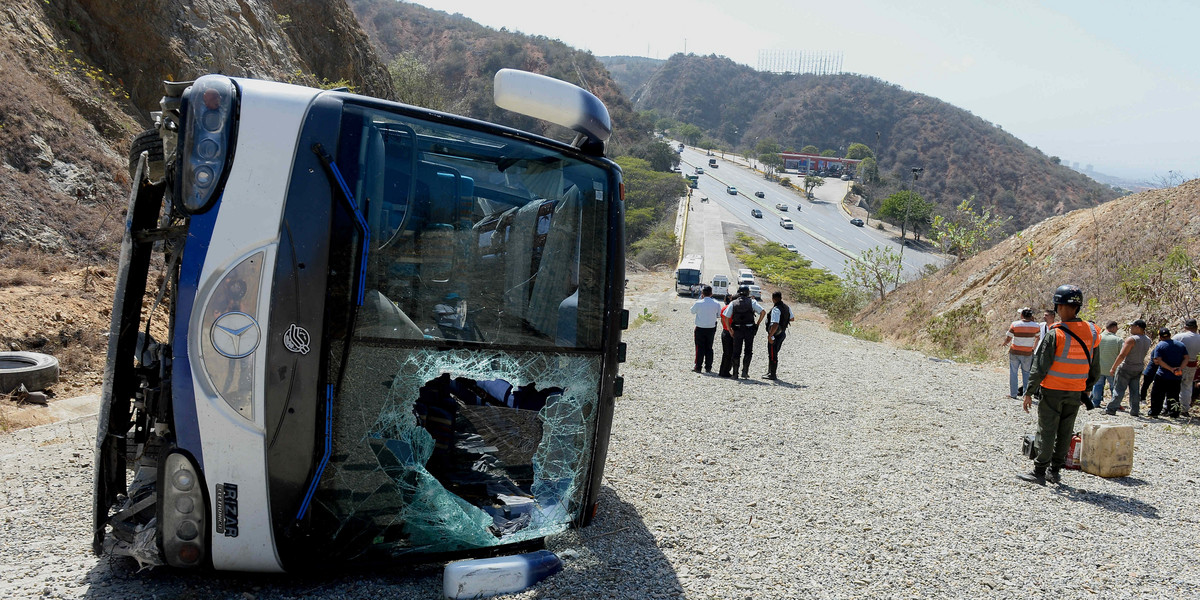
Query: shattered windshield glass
[[449, 450], [465, 412]]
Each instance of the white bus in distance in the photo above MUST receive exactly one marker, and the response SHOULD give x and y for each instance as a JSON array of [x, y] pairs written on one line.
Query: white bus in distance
[[687, 276]]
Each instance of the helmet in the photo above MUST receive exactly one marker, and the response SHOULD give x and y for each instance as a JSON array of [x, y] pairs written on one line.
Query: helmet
[[1068, 294], [1027, 313], [743, 290]]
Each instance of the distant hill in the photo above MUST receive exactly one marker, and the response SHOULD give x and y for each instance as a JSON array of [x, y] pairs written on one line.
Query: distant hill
[[632, 72], [464, 56], [962, 154]]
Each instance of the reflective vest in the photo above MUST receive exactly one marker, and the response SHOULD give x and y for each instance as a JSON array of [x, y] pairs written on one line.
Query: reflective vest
[[1069, 371]]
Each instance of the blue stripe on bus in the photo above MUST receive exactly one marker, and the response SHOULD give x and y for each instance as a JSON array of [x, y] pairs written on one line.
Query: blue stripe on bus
[[195, 250], [312, 487], [362, 225]]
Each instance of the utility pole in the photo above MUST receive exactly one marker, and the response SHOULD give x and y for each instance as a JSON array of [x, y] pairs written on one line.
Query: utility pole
[[916, 173]]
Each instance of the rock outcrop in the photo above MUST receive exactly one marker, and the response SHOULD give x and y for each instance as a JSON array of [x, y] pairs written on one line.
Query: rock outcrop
[[78, 80]]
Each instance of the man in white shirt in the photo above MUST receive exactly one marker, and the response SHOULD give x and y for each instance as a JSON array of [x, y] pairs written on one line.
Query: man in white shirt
[[1190, 340], [741, 313], [707, 311]]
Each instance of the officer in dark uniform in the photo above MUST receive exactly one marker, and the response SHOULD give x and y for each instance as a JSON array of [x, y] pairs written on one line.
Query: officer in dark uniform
[[726, 341], [1065, 364], [741, 313], [779, 317]]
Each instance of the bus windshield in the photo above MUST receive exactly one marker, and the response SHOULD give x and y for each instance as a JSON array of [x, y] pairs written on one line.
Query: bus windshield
[[466, 409]]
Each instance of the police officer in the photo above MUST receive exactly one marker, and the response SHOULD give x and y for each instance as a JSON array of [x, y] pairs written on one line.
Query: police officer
[[741, 314], [777, 324], [726, 341], [1065, 364]]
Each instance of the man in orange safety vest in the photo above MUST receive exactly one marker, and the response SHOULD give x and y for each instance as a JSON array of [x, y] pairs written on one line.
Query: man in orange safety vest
[[1065, 365]]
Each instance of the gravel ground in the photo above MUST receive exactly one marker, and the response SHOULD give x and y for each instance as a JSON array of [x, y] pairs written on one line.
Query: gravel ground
[[866, 471]]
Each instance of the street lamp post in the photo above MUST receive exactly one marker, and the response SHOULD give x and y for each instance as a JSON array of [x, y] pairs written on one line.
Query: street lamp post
[[916, 173]]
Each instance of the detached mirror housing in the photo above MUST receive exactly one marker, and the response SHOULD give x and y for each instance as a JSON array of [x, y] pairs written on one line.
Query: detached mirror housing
[[553, 100]]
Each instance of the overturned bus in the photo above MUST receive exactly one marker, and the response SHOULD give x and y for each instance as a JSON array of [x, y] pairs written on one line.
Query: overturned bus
[[390, 333]]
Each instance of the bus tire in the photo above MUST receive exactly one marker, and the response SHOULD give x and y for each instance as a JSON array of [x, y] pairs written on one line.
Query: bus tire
[[150, 142], [33, 370]]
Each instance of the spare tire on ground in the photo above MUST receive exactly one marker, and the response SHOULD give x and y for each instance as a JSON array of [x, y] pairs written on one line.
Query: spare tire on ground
[[36, 371]]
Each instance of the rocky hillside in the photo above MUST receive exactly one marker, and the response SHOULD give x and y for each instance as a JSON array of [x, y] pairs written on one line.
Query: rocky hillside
[[632, 72], [463, 56], [962, 154], [1137, 256], [77, 82]]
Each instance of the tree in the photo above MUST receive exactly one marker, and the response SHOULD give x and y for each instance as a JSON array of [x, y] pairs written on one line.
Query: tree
[[868, 170], [809, 149], [877, 269], [772, 161], [690, 133], [859, 151], [651, 197], [967, 232], [658, 153], [905, 208], [829, 152], [415, 83], [812, 182], [766, 146]]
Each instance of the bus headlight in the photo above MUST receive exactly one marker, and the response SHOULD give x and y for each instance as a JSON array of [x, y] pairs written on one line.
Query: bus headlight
[[210, 105]]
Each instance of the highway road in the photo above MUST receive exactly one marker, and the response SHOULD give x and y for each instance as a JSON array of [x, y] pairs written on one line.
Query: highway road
[[822, 233]]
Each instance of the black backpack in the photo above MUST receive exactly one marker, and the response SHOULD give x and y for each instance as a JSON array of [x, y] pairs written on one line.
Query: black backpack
[[743, 312]]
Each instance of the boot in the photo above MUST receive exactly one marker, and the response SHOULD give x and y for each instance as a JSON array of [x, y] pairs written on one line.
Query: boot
[[1038, 476], [1054, 475], [745, 373]]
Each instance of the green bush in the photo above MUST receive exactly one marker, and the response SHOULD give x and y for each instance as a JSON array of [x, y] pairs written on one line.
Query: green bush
[[657, 248], [957, 332], [848, 327], [786, 269]]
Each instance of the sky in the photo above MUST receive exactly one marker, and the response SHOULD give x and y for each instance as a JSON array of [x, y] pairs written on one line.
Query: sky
[[1112, 84]]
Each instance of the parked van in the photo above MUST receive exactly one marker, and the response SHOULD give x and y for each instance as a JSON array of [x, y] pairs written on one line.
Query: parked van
[[720, 286]]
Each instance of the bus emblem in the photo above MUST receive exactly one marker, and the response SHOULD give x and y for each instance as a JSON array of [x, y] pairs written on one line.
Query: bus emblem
[[296, 339], [235, 335]]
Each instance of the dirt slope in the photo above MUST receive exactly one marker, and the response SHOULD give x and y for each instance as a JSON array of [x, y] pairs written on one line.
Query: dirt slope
[[77, 82], [1098, 249]]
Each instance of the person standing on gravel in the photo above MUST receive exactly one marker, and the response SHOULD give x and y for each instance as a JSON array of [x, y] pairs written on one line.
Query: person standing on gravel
[[708, 312], [1110, 347], [726, 341], [1048, 316], [1127, 369], [1190, 340], [741, 313], [1168, 356], [777, 324], [1065, 366], [1022, 338]]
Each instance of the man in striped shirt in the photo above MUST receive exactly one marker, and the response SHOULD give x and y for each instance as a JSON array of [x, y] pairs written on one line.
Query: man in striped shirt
[[1022, 338]]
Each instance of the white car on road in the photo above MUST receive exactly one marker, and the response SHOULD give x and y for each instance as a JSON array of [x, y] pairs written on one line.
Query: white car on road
[[785, 223]]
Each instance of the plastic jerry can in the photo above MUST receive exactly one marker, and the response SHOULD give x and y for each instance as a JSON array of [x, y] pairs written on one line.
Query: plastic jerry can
[[500, 575], [1107, 449]]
